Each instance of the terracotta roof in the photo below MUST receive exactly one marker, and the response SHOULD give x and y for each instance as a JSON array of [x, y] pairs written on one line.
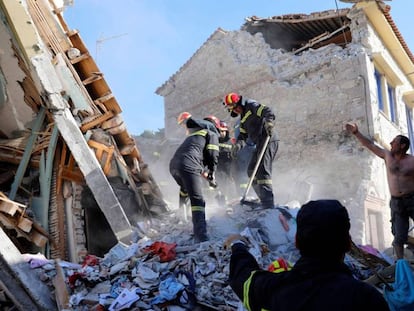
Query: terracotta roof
[[386, 10]]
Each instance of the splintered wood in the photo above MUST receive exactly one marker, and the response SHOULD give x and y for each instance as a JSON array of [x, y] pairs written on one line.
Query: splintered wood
[[13, 216], [8, 206]]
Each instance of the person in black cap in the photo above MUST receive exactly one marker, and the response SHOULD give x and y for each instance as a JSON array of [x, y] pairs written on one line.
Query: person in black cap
[[318, 281]]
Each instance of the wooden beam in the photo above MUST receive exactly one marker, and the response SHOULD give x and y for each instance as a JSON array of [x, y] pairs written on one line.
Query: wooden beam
[[27, 153], [94, 176]]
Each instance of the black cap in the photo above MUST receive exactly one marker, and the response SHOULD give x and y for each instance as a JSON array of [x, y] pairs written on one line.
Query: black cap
[[323, 228]]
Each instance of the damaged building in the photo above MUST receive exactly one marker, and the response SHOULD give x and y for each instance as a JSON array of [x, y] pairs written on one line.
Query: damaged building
[[72, 179], [316, 72]]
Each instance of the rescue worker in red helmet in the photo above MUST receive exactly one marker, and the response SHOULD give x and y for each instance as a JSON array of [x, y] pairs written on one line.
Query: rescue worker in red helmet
[[199, 149], [256, 123]]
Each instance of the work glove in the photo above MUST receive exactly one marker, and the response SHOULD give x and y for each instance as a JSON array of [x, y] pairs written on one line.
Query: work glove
[[211, 179], [269, 128], [236, 148]]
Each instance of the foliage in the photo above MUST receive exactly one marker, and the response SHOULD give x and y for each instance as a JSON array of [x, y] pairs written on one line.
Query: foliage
[[152, 134]]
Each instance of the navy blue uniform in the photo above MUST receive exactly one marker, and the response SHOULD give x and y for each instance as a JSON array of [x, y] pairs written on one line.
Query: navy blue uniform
[[252, 121], [225, 169], [200, 149], [311, 285]]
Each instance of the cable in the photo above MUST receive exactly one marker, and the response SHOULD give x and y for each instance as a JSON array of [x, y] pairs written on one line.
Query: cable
[[342, 21]]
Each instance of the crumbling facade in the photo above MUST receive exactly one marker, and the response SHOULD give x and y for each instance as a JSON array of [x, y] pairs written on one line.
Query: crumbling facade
[[72, 180], [317, 72]]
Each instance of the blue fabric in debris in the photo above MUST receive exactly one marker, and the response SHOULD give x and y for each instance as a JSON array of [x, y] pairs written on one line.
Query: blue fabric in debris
[[168, 288], [401, 298]]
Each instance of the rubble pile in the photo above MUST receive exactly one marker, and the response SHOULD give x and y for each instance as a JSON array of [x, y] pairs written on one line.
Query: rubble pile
[[165, 270]]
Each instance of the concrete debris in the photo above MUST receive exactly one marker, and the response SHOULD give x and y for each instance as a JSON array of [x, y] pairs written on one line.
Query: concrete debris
[[165, 270]]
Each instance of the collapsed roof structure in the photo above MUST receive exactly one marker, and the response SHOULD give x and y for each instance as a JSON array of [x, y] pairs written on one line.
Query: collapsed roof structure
[[69, 169]]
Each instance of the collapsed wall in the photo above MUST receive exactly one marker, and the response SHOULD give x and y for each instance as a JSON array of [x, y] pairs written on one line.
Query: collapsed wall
[[313, 94]]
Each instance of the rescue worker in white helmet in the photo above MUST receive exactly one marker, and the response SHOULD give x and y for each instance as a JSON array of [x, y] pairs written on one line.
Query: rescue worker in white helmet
[[256, 123], [186, 119], [192, 124], [198, 150]]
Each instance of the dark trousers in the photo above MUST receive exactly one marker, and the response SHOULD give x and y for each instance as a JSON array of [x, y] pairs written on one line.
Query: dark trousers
[[402, 209], [262, 182], [191, 183]]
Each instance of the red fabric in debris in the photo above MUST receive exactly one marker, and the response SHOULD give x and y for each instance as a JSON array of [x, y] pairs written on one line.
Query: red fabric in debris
[[90, 260], [166, 251], [73, 278]]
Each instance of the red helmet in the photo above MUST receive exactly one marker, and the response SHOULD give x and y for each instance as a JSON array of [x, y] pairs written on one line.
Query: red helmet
[[231, 100], [183, 117], [214, 120], [223, 126]]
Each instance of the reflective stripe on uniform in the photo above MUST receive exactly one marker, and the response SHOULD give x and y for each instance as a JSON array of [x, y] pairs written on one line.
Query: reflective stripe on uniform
[[246, 287], [248, 113], [260, 110], [227, 146], [197, 208], [264, 181], [200, 133], [212, 147]]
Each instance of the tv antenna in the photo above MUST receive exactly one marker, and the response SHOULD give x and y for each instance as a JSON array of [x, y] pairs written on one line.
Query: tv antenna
[[99, 42]]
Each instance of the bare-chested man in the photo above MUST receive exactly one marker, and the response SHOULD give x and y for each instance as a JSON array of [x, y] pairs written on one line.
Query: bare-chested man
[[400, 175]]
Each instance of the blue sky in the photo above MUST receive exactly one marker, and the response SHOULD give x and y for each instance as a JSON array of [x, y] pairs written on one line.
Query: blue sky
[[140, 44]]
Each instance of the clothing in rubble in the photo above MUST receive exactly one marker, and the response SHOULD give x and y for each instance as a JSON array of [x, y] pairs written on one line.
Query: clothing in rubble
[[256, 124], [199, 149], [319, 280]]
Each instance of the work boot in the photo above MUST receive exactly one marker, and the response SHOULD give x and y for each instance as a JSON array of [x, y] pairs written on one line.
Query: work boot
[[252, 202], [399, 251], [267, 205], [199, 227]]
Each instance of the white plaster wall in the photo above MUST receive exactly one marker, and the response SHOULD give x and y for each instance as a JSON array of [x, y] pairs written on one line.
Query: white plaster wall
[[15, 113]]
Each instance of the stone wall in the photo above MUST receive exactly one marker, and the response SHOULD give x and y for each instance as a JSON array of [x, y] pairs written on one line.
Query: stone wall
[[313, 95]]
